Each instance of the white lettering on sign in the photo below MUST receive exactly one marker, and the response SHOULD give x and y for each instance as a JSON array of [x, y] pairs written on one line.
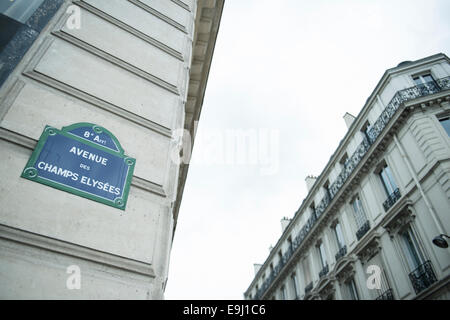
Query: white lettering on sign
[[100, 185], [87, 155], [87, 134], [57, 170]]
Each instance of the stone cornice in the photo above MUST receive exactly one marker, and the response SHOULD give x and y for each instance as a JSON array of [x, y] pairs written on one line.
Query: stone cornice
[[207, 22]]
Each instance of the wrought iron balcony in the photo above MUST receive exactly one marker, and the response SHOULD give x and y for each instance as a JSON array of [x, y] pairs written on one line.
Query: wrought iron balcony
[[341, 253], [422, 277], [324, 271], [387, 295], [392, 199], [308, 288], [363, 230], [375, 131]]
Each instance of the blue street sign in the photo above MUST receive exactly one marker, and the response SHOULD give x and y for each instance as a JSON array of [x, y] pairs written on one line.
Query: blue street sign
[[83, 159]]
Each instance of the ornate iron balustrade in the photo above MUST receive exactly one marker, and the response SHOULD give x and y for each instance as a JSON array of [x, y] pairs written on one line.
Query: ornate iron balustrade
[[308, 288], [392, 199], [324, 271], [422, 277], [387, 295], [341, 253], [363, 230], [372, 135]]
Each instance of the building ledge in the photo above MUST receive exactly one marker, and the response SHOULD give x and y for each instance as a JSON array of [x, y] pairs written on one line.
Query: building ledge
[[207, 22]]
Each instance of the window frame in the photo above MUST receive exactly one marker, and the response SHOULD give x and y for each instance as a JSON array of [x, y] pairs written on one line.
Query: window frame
[[322, 254], [361, 213], [295, 286], [421, 254], [343, 244], [388, 180], [21, 40], [351, 289], [446, 118]]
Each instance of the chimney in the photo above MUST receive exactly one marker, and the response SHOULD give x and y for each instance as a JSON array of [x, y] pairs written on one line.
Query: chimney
[[310, 180], [284, 223], [349, 119], [257, 266]]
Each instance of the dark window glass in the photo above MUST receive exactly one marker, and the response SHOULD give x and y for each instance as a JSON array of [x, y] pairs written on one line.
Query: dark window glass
[[351, 289], [339, 235], [358, 213], [388, 180], [322, 255], [19, 10], [445, 122], [413, 254], [8, 29], [419, 80]]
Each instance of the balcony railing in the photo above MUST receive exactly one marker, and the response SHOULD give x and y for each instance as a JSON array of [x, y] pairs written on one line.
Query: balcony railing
[[372, 135], [363, 230], [308, 288], [392, 199], [387, 295], [324, 271], [341, 253], [422, 277]]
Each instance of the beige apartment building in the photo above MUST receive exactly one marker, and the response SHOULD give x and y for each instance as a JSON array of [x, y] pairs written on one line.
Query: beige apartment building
[[137, 70], [366, 227]]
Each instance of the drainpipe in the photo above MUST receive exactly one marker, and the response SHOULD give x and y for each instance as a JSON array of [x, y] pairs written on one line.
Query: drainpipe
[[419, 186]]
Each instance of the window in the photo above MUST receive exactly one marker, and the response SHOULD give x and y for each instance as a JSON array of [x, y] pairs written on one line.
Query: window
[[383, 291], [352, 292], [411, 249], [294, 284], [280, 256], [19, 10], [344, 160], [445, 123], [283, 293], [19, 31], [322, 255], [388, 180], [306, 271], [339, 235], [12, 15], [423, 79], [366, 130], [313, 210], [358, 212], [326, 186]]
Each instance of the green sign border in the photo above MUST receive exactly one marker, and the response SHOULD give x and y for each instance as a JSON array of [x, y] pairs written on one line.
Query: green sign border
[[30, 173]]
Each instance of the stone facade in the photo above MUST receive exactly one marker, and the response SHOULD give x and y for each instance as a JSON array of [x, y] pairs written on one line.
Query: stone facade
[[138, 68], [365, 229]]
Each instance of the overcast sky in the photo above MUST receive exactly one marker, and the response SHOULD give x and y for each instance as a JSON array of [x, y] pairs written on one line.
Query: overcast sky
[[285, 71]]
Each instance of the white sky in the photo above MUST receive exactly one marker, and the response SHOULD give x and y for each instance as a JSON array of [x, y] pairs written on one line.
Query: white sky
[[294, 67]]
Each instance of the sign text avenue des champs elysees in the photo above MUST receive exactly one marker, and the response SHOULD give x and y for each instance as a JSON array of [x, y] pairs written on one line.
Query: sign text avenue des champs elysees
[[83, 159]]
